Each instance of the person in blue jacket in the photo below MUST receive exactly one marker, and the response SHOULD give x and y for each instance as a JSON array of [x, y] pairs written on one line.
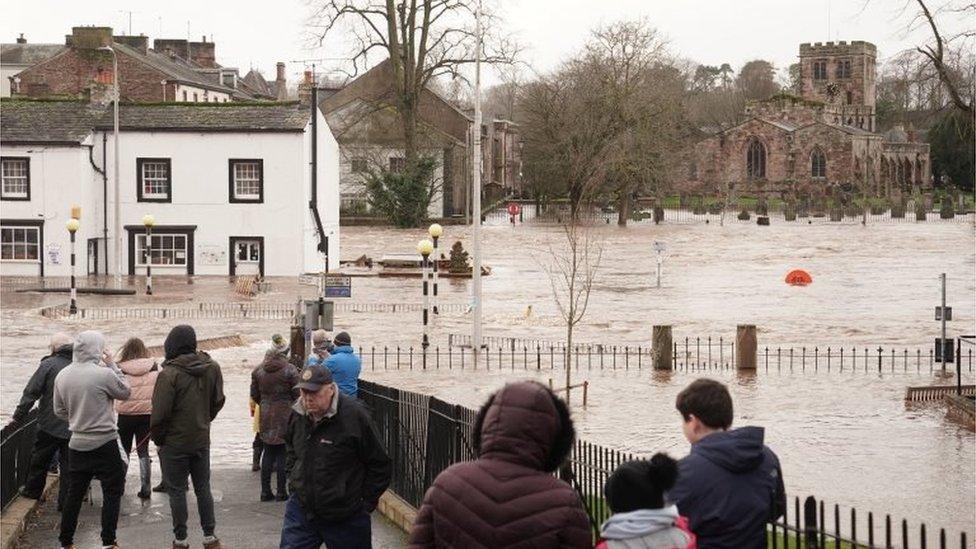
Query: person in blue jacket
[[344, 365], [730, 485]]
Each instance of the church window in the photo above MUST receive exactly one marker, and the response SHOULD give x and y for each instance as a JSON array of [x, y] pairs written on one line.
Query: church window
[[818, 164], [820, 70], [756, 159]]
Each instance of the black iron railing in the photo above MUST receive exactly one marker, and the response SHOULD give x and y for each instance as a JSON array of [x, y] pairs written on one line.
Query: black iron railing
[[16, 444], [425, 435]]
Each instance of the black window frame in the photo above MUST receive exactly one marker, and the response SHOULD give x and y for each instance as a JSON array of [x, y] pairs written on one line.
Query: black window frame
[[140, 197], [232, 255], [16, 198], [39, 223], [756, 154], [232, 191], [185, 230]]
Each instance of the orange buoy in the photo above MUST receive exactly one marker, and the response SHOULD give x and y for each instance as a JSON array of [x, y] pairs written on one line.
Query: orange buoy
[[798, 277]]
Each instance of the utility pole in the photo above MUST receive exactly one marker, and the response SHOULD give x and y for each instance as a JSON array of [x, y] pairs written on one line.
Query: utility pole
[[476, 309]]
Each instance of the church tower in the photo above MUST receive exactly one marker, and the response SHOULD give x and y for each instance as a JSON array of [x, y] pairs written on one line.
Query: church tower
[[841, 75]]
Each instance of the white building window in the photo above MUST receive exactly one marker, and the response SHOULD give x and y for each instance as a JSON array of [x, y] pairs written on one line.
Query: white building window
[[16, 178], [246, 180], [167, 249], [20, 243], [155, 179]]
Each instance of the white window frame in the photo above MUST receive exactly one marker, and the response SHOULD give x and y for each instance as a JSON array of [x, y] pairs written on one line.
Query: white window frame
[[13, 243], [249, 247], [161, 180], [19, 179], [253, 181], [159, 250]]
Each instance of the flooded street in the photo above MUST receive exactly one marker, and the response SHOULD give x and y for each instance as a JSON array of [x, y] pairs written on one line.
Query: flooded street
[[846, 437]]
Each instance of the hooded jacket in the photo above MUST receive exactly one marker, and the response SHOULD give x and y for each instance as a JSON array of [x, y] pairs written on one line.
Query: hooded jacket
[[84, 394], [647, 529], [729, 486], [336, 466], [345, 367], [188, 394], [273, 388], [508, 496], [41, 387], [141, 374]]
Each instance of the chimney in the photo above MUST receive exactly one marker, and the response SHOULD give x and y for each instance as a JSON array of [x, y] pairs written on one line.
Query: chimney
[[21, 39], [90, 38], [202, 53], [140, 43], [281, 85], [305, 89], [172, 47]]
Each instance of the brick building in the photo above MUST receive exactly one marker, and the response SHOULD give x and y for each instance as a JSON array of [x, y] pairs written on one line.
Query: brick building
[[814, 143], [173, 70]]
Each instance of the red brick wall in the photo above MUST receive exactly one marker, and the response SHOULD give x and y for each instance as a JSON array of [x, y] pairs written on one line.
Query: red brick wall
[[73, 72]]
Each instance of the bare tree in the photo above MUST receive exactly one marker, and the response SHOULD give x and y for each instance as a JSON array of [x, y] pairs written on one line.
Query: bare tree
[[423, 39], [572, 270], [960, 94]]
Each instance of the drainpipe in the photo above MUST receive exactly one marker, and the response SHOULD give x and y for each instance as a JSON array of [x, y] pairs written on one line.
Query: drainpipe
[[314, 202], [101, 170]]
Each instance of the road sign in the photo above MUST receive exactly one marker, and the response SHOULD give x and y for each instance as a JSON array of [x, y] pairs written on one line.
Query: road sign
[[514, 208], [938, 313], [338, 286], [945, 354]]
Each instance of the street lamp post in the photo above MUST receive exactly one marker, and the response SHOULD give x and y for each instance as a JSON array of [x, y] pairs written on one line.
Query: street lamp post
[[435, 231], [148, 221], [424, 248], [115, 152], [476, 305], [73, 225]]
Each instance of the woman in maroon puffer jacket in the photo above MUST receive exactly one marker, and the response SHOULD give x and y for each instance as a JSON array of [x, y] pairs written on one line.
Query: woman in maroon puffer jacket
[[508, 497]]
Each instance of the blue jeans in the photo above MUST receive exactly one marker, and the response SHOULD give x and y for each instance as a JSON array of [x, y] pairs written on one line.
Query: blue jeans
[[297, 533]]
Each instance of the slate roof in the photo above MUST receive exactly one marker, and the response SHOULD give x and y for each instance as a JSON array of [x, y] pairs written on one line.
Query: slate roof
[[64, 122], [174, 68], [222, 117], [28, 54], [70, 122]]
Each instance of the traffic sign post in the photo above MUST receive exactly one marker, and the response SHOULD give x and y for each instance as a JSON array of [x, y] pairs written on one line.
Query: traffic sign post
[[338, 286]]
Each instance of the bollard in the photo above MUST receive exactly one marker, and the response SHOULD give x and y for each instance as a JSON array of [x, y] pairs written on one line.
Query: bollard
[[745, 346], [661, 348]]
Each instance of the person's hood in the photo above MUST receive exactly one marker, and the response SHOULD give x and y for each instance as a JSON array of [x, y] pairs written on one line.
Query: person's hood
[[273, 362], [88, 347], [195, 364], [524, 423], [738, 450], [347, 349], [182, 340], [137, 366], [639, 523]]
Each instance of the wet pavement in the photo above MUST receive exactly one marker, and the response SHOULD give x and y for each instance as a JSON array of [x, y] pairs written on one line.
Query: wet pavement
[[243, 522]]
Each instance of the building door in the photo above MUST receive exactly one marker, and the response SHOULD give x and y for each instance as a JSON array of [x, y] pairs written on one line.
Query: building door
[[93, 256], [246, 256]]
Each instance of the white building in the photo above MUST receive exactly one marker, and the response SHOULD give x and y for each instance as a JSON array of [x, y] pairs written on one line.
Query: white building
[[229, 187]]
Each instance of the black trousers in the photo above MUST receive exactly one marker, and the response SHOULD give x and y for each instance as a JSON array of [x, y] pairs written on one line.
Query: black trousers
[[134, 428], [108, 464], [273, 459], [45, 445]]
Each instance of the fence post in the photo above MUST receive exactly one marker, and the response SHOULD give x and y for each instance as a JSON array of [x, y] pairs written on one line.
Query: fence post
[[661, 348], [746, 346], [810, 523]]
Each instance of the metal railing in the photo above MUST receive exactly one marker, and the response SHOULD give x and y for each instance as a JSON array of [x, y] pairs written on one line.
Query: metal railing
[[425, 435], [16, 447], [691, 354], [281, 310]]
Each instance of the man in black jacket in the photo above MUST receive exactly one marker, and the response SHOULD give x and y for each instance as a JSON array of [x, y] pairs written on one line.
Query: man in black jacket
[[337, 468], [52, 431]]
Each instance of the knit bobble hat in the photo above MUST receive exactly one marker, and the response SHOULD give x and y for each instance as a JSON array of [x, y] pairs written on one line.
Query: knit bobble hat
[[641, 484]]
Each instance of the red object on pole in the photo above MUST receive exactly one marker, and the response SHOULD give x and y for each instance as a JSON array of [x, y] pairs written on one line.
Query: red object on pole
[[798, 277], [514, 208]]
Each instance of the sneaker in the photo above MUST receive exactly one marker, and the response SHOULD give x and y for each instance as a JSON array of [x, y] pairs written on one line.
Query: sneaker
[[281, 497], [181, 544], [267, 497], [211, 542], [161, 487]]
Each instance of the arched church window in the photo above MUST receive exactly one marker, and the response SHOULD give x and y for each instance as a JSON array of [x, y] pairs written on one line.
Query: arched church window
[[818, 164], [756, 159]]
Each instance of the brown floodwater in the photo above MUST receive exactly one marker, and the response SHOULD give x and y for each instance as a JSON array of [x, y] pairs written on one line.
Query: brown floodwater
[[846, 437]]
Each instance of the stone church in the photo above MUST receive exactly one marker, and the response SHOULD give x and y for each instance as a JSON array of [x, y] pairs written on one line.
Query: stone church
[[817, 143]]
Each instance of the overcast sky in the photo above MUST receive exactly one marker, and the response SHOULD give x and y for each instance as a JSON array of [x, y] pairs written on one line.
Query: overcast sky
[[707, 31]]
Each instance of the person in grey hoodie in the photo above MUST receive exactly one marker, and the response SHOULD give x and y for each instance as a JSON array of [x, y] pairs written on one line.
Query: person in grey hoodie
[[189, 393], [52, 431], [85, 394]]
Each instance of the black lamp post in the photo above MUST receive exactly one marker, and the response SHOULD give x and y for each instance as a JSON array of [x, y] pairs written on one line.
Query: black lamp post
[[73, 225], [148, 221]]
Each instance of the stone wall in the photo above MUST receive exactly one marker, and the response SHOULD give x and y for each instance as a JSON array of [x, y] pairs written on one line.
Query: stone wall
[[73, 72]]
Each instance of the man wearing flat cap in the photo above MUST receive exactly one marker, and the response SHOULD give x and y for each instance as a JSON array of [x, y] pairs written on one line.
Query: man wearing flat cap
[[337, 468]]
